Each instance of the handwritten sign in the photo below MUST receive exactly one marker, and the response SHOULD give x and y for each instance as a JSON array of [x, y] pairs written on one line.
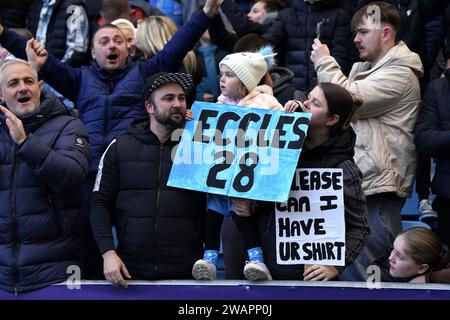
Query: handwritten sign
[[310, 225], [239, 152]]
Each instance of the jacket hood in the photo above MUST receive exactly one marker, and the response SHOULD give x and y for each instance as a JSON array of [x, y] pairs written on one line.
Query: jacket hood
[[282, 78], [50, 107], [336, 150], [400, 55], [140, 129]]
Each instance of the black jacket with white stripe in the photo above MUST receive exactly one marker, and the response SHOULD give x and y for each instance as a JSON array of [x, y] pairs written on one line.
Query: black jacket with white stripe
[[159, 228]]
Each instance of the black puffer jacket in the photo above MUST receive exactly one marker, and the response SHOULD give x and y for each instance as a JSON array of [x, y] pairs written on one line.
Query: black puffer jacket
[[283, 89], [159, 228], [40, 195], [294, 31], [337, 152], [13, 13], [432, 132]]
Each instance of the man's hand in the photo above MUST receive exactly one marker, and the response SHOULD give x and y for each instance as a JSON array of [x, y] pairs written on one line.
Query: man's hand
[[36, 54], [241, 207], [113, 268], [211, 6], [318, 272], [15, 126], [319, 51], [1, 28]]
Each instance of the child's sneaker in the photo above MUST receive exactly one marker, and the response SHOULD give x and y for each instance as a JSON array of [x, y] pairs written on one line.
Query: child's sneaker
[[427, 214], [256, 271], [204, 270]]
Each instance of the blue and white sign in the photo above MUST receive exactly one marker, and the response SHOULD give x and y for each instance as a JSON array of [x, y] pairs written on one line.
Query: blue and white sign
[[239, 152]]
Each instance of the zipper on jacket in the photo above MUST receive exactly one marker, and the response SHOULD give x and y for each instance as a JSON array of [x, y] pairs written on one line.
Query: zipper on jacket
[[15, 227], [111, 85], [106, 116], [105, 125], [158, 192]]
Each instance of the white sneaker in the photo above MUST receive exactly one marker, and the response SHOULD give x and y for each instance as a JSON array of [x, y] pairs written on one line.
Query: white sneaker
[[204, 270], [256, 271], [426, 213]]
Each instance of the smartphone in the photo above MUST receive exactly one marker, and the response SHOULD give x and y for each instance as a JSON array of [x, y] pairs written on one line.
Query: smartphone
[[319, 29]]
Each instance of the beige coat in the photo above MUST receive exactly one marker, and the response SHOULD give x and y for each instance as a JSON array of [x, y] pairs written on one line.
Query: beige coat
[[384, 149]]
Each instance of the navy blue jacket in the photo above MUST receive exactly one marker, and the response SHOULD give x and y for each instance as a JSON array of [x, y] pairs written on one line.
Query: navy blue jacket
[[432, 132], [446, 49], [159, 228], [39, 198], [294, 30], [108, 102]]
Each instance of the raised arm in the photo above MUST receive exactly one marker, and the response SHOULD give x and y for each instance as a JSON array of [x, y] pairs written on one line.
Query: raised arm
[[36, 54], [171, 57], [238, 19], [60, 76], [386, 85], [220, 36]]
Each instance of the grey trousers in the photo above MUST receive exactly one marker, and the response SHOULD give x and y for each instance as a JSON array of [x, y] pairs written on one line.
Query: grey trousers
[[384, 223]]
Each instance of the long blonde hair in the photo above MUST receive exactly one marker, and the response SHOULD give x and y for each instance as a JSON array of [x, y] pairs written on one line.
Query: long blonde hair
[[152, 35]]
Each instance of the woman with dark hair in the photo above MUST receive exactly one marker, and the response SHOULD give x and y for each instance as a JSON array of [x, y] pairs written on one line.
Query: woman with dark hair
[[329, 143]]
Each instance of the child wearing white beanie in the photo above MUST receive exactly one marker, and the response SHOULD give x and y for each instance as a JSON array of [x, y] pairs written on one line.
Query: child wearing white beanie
[[248, 68], [240, 75]]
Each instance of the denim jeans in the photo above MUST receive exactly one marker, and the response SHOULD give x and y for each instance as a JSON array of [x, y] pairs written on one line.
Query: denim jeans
[[384, 223]]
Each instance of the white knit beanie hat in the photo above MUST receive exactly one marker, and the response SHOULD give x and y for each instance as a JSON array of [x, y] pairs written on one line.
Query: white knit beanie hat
[[125, 23], [249, 67]]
